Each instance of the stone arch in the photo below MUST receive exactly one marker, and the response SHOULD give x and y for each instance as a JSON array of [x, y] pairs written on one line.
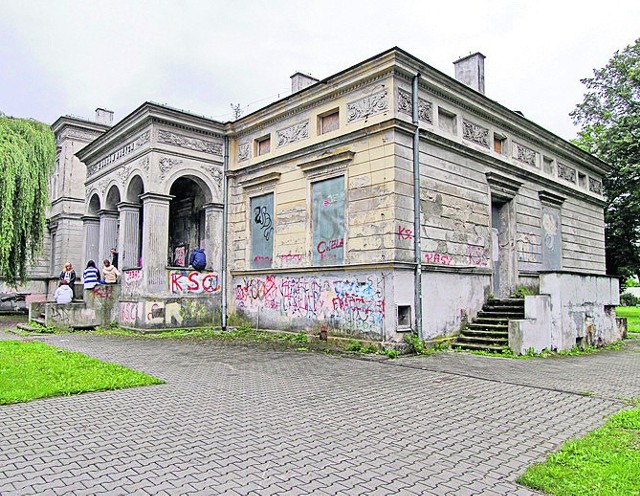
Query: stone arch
[[93, 206], [191, 196], [199, 177], [134, 189], [113, 198]]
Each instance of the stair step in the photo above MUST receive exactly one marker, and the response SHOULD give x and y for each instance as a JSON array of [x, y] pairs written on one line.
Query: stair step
[[483, 339], [519, 302], [483, 333], [488, 327], [503, 309], [490, 320], [39, 321], [478, 347]]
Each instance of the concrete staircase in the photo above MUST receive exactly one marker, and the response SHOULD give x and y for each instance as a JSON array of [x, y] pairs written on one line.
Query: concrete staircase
[[489, 330]]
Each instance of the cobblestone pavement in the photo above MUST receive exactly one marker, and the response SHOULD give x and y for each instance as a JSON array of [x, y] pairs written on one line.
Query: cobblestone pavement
[[239, 420]]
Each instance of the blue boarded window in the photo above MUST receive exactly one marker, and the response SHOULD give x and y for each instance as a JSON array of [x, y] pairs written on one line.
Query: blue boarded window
[[262, 231], [328, 221]]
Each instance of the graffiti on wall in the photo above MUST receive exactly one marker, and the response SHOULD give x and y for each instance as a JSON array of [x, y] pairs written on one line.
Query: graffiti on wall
[[262, 231], [328, 221], [528, 247], [128, 312], [131, 281], [356, 303], [193, 282], [291, 258], [404, 233]]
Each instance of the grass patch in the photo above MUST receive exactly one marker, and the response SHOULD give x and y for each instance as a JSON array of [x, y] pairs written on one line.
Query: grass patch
[[575, 351], [633, 317], [606, 461], [30, 370]]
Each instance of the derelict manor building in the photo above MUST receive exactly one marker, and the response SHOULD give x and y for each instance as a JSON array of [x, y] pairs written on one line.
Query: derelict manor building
[[384, 199]]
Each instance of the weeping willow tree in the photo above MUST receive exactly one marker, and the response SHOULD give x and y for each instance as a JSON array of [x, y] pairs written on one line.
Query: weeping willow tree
[[27, 157]]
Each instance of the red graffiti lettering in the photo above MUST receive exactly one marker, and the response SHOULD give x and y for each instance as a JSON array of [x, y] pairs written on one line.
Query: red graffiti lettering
[[478, 255], [438, 259], [175, 282], [334, 244], [404, 233]]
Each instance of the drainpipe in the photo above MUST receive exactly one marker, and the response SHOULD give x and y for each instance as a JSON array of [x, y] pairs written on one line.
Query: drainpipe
[[417, 232], [224, 233]]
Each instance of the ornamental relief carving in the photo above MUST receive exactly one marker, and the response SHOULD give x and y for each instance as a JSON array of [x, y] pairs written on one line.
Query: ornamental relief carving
[[524, 154], [118, 154], [293, 133], [166, 164], [595, 186], [216, 174], [405, 106], [476, 134], [367, 106], [183, 141], [244, 151], [566, 173]]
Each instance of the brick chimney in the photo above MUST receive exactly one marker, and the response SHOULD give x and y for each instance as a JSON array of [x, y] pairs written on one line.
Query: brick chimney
[[104, 116], [470, 71], [300, 81]]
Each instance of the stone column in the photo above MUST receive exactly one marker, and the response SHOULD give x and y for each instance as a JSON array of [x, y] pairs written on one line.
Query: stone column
[[155, 242], [108, 234], [91, 226], [213, 236], [129, 236]]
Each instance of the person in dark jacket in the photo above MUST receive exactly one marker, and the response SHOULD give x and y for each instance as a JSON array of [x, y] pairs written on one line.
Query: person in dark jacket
[[198, 259]]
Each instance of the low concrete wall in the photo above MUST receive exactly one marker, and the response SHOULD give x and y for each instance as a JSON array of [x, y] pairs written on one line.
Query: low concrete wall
[[450, 300], [64, 316], [582, 309], [534, 332]]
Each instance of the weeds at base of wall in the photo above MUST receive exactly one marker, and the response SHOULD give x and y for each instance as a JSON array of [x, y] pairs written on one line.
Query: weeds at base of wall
[[420, 347], [575, 351]]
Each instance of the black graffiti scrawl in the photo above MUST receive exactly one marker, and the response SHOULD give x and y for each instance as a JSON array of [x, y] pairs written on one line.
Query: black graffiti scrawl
[[262, 231]]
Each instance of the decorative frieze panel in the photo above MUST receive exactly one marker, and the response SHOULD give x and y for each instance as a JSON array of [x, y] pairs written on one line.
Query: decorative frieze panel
[[425, 108], [244, 152], [595, 186], [293, 133], [476, 134], [166, 164], [120, 153], [367, 106], [567, 173], [216, 174], [77, 134], [524, 154], [197, 144]]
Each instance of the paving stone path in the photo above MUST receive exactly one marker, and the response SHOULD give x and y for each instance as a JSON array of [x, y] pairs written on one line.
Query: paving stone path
[[239, 420]]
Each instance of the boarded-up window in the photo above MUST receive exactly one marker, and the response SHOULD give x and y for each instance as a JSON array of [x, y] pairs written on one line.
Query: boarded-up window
[[263, 145], [499, 143], [262, 231], [328, 221], [329, 122]]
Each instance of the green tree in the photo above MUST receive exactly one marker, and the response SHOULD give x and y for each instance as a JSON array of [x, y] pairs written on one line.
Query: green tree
[[27, 157], [610, 118]]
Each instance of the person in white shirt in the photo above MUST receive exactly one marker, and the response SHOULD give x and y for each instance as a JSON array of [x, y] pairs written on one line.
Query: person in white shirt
[[63, 294]]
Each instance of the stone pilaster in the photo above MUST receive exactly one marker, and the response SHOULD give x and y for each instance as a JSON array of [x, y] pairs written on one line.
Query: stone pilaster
[[129, 236], [213, 236], [91, 226], [155, 241]]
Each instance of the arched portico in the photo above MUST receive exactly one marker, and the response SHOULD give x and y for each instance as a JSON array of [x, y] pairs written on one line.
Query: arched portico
[[131, 221], [91, 226]]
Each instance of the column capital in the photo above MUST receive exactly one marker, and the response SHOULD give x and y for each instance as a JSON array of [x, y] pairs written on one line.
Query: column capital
[[129, 206], [90, 218], [213, 206], [108, 213], [156, 197]]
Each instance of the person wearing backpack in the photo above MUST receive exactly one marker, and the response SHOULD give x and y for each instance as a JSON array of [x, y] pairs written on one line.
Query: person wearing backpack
[[198, 259]]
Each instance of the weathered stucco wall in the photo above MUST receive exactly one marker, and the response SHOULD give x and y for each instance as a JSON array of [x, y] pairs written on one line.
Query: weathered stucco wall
[[352, 304]]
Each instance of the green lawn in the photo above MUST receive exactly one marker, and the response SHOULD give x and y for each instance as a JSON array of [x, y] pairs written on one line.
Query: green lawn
[[30, 370], [633, 317], [605, 462]]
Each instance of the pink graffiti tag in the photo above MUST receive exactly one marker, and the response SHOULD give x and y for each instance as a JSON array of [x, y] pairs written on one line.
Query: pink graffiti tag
[[334, 244], [404, 233], [194, 282], [478, 255], [438, 259]]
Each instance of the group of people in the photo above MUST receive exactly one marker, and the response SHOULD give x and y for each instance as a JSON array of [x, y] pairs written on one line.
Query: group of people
[[91, 277]]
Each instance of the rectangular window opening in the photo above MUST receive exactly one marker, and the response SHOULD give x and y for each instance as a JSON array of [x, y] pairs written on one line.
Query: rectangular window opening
[[404, 316], [446, 120], [263, 145], [329, 121], [499, 143]]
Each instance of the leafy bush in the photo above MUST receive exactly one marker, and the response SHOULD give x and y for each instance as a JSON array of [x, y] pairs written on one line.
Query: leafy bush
[[628, 300]]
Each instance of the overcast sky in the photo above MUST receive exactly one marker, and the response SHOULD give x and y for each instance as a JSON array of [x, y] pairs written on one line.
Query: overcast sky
[[61, 57]]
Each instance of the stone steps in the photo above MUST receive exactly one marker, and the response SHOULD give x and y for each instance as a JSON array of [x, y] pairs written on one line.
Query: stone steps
[[489, 331]]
